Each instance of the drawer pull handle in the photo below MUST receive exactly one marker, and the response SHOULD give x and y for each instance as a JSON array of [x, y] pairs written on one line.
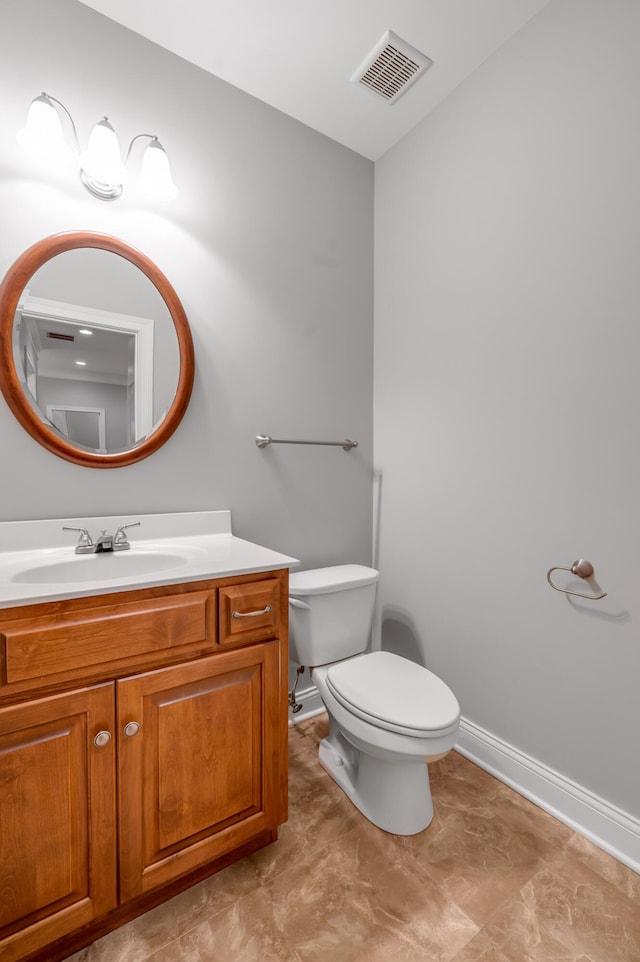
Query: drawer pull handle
[[131, 729], [102, 739], [251, 614]]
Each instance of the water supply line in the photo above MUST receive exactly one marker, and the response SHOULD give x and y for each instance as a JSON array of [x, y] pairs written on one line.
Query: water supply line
[[376, 627], [295, 705]]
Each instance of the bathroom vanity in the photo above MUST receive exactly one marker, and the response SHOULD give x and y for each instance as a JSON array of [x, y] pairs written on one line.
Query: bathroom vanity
[[143, 722]]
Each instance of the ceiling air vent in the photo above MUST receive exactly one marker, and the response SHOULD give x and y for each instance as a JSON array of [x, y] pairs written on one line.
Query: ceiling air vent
[[391, 67], [60, 337]]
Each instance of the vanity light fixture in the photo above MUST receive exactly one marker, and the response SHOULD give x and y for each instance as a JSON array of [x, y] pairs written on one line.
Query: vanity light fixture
[[102, 170]]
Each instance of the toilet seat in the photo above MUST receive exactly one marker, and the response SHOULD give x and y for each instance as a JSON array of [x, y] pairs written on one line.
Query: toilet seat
[[393, 693]]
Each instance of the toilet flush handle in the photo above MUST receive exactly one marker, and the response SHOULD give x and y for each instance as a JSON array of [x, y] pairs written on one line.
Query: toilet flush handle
[[296, 603]]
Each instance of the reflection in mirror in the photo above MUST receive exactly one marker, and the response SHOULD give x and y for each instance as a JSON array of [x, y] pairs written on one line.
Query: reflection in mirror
[[90, 355], [72, 367], [99, 353], [85, 426]]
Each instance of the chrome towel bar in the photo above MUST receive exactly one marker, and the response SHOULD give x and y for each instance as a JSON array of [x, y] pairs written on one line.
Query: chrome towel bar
[[582, 568], [263, 440]]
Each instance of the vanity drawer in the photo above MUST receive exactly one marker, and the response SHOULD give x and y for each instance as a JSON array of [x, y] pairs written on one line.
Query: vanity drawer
[[249, 612], [78, 639]]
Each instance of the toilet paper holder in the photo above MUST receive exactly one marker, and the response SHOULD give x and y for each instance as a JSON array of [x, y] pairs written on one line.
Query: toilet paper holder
[[582, 568]]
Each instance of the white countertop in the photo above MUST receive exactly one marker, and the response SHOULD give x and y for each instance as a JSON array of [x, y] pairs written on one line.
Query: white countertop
[[38, 563]]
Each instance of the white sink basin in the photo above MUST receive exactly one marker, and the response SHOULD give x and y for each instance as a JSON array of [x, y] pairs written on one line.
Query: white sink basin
[[107, 566], [177, 548]]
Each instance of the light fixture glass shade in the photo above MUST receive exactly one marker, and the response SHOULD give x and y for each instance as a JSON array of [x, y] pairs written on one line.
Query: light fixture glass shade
[[103, 170], [43, 130], [155, 178]]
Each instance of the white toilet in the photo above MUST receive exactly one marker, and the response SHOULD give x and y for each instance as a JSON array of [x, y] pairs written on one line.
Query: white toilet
[[388, 716]]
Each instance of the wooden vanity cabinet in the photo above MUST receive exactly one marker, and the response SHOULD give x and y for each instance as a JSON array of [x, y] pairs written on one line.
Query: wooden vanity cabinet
[[57, 818], [126, 776]]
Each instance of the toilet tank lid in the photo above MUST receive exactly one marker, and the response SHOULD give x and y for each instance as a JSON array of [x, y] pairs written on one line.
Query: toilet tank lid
[[320, 581]]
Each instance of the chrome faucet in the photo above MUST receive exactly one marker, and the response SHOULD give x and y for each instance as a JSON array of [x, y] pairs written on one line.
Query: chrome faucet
[[106, 542]]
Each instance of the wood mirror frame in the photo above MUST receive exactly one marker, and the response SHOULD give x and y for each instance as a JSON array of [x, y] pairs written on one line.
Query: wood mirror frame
[[11, 290]]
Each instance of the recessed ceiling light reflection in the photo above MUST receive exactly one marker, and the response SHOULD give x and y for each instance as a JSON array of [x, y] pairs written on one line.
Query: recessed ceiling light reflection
[[81, 363], [83, 330]]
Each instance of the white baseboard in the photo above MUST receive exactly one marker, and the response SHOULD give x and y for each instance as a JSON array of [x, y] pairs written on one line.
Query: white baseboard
[[608, 827]]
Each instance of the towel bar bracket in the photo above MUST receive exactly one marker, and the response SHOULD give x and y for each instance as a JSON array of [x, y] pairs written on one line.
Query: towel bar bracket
[[582, 568]]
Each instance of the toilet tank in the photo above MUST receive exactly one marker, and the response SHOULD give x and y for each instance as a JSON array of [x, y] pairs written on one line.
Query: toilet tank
[[330, 613]]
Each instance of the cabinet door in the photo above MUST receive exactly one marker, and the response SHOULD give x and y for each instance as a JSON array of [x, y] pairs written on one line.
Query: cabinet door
[[57, 818], [200, 775]]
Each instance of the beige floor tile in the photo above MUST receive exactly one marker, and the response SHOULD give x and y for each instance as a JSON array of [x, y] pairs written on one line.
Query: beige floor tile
[[487, 845], [481, 949], [568, 912], [138, 939], [319, 814], [244, 932], [290, 849], [318, 808], [610, 868], [315, 729], [363, 893], [298, 741], [493, 879]]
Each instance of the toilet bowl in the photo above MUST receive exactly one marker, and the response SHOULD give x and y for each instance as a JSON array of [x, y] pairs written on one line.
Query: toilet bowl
[[388, 716]]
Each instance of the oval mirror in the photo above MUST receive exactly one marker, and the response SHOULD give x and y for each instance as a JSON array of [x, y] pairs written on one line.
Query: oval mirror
[[96, 355]]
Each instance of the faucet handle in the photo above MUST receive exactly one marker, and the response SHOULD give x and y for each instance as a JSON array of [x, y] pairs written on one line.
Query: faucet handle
[[120, 539], [84, 541]]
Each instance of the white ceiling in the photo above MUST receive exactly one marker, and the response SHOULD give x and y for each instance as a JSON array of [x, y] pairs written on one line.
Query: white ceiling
[[298, 55]]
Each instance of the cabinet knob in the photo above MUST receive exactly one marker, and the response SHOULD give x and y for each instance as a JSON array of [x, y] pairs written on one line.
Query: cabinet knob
[[102, 739], [131, 729]]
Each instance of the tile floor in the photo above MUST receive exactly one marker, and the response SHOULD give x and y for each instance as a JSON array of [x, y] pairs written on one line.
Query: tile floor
[[493, 879]]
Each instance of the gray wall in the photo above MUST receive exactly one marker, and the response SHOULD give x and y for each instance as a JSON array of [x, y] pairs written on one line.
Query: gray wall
[[269, 246], [507, 398]]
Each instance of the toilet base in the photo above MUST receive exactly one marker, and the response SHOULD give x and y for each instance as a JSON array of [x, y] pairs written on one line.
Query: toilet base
[[394, 795]]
